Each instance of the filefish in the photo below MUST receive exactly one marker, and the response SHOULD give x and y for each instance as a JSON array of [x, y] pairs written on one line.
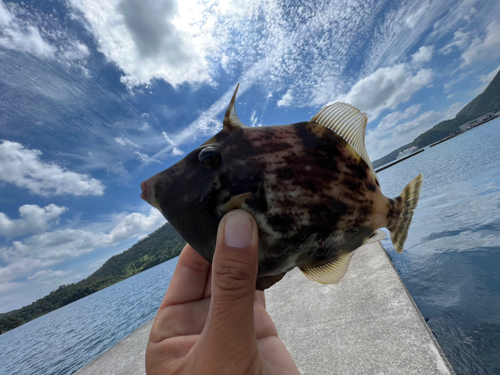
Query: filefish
[[309, 185]]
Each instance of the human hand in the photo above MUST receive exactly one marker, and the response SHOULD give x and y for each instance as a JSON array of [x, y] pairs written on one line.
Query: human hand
[[212, 321]]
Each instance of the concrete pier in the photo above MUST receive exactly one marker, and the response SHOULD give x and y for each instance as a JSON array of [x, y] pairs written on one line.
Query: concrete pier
[[365, 324]]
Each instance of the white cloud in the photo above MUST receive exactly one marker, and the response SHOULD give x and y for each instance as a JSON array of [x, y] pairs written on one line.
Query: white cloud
[[75, 51], [424, 54], [385, 89], [412, 19], [9, 286], [253, 118], [456, 13], [301, 51], [22, 167], [22, 37], [33, 219], [286, 100], [205, 124], [124, 141], [48, 276], [485, 81], [146, 158], [23, 30], [167, 138], [391, 120], [146, 40], [484, 49], [33, 255], [177, 152], [380, 143], [460, 41]]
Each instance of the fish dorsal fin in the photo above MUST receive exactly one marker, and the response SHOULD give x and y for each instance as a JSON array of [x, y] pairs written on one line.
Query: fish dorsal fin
[[348, 122], [231, 119], [377, 236], [329, 273]]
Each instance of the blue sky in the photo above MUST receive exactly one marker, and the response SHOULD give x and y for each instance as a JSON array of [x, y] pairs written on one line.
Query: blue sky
[[96, 96]]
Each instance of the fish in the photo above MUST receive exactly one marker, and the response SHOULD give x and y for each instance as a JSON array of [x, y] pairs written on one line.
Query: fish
[[309, 185]]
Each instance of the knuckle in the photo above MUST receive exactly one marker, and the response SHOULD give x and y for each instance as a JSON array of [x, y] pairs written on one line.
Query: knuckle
[[234, 277], [166, 326]]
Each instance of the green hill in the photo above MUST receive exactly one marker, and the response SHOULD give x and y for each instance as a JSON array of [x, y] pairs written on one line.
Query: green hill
[[389, 157], [487, 101], [158, 247]]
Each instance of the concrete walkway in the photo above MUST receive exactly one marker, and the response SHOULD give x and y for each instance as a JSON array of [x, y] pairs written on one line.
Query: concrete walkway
[[365, 324]]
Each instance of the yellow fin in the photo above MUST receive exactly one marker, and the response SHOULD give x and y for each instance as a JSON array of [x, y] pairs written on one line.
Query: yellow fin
[[410, 196], [349, 123], [329, 273], [235, 202], [376, 236], [231, 118]]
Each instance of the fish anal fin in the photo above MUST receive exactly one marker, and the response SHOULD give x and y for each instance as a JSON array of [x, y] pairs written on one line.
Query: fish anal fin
[[235, 202], [329, 273], [349, 123], [376, 236]]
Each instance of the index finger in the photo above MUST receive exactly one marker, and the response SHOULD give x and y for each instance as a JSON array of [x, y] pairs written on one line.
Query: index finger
[[189, 279]]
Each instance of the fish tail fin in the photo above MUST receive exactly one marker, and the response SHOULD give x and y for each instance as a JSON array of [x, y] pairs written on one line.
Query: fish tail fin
[[409, 200]]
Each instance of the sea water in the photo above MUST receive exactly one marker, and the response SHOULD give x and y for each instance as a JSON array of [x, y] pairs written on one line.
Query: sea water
[[451, 267], [66, 339], [451, 261]]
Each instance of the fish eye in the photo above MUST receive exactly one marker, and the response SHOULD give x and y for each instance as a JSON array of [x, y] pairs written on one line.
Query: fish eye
[[209, 158]]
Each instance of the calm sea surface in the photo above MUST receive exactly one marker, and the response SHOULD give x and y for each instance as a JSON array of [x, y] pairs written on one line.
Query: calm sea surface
[[451, 262], [65, 340], [451, 266]]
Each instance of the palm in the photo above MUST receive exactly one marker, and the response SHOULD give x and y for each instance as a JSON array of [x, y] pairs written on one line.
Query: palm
[[185, 338]]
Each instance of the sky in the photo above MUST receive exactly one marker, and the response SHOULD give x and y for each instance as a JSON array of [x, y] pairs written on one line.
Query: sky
[[99, 95]]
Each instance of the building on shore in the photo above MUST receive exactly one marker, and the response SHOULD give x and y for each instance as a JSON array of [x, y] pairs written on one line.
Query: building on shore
[[478, 121]]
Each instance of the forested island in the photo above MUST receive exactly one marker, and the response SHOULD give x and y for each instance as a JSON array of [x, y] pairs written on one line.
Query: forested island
[[487, 101], [158, 247]]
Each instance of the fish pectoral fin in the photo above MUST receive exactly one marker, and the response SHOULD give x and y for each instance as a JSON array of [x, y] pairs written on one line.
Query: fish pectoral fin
[[235, 202], [377, 236], [329, 273], [349, 123], [309, 242]]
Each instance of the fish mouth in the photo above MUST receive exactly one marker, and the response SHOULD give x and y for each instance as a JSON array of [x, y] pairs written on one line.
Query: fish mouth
[[144, 188], [148, 192]]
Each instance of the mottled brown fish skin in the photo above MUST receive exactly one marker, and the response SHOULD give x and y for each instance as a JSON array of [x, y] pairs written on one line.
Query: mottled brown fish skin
[[312, 195]]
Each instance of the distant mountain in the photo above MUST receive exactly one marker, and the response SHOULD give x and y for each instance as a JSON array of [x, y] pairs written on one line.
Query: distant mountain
[[158, 247], [487, 101]]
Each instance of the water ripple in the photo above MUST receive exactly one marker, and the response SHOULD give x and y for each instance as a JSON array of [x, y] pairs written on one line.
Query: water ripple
[[64, 340]]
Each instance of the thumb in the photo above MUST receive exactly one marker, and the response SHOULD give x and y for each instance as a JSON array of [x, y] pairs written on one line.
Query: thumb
[[230, 324]]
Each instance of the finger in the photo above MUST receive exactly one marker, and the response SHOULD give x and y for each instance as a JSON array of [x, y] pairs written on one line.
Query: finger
[[189, 279], [166, 357], [180, 320], [260, 298], [234, 273], [264, 325], [274, 352], [208, 287]]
